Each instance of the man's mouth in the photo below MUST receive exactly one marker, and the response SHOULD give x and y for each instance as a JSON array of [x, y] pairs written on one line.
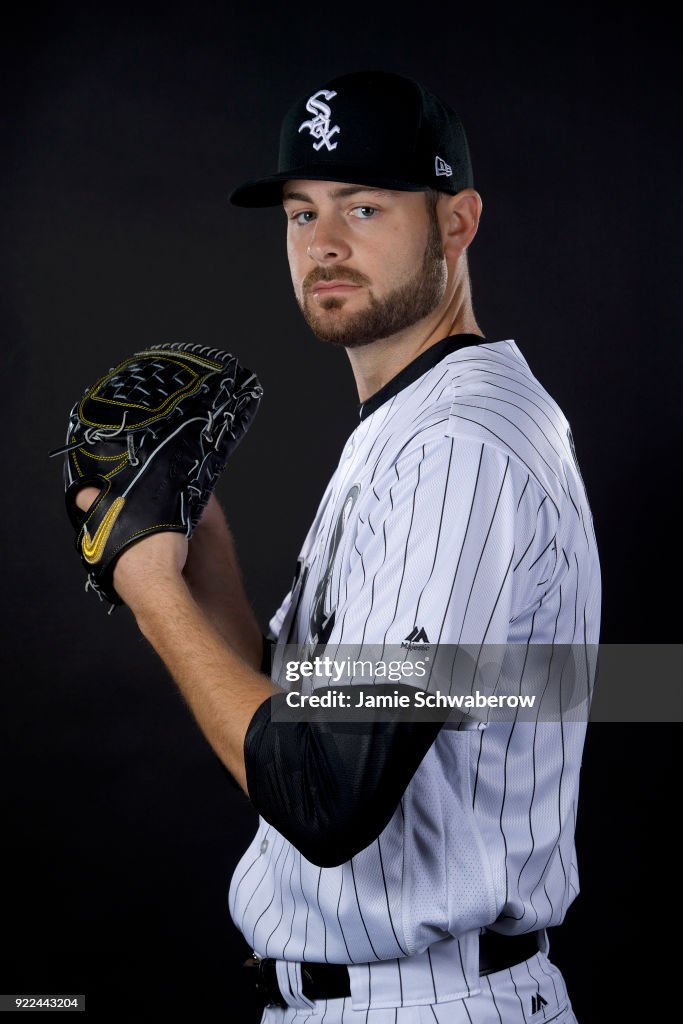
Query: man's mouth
[[328, 287]]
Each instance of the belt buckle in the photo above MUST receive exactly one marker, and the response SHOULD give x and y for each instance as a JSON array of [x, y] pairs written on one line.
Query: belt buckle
[[265, 980]]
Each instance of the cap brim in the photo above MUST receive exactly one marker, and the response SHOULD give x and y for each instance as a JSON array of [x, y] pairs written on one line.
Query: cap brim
[[268, 191]]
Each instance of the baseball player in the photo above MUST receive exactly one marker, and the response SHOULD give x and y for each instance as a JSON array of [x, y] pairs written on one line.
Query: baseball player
[[401, 872]]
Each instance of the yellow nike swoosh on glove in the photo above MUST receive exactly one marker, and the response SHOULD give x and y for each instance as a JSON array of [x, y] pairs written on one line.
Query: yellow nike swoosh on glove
[[92, 549]]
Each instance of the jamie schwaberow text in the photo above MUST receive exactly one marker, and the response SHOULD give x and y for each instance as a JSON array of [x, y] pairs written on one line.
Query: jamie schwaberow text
[[358, 698]]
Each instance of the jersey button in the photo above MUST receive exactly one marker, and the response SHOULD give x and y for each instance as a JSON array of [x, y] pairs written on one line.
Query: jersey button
[[264, 846]]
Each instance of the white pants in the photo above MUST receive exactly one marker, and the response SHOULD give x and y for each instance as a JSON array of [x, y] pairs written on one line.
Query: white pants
[[532, 992]]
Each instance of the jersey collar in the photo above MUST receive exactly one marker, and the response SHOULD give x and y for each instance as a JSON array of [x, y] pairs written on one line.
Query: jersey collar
[[425, 361]]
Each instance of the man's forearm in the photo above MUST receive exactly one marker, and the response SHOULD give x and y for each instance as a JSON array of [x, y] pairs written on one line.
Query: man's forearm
[[213, 575], [221, 688]]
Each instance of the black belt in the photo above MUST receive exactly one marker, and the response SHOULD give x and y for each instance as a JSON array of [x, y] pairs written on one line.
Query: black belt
[[331, 981]]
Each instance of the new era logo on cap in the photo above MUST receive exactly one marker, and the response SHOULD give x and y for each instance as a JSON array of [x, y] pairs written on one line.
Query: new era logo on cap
[[442, 169]]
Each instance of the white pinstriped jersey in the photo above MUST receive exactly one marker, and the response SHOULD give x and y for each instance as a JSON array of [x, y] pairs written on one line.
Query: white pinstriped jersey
[[457, 511]]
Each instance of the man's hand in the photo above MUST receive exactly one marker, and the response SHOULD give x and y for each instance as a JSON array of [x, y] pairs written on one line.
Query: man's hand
[[155, 561]]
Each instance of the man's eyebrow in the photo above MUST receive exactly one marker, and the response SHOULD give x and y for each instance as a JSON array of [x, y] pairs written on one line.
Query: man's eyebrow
[[338, 193]]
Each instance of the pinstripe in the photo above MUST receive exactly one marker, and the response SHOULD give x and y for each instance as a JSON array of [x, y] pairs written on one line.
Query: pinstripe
[[481, 555], [347, 606], [505, 776], [389, 416], [551, 419], [438, 535], [405, 552], [293, 906], [283, 849], [251, 865], [533, 536], [341, 887], [405, 448], [578, 511], [496, 602], [528, 478], [386, 897], [289, 982], [533, 786], [462, 968], [256, 889], [360, 912], [444, 376], [521, 1004], [431, 971], [562, 777], [507, 446], [320, 913], [518, 408], [539, 557], [493, 999], [576, 594], [549, 975], [400, 980], [524, 383], [374, 581], [476, 771]]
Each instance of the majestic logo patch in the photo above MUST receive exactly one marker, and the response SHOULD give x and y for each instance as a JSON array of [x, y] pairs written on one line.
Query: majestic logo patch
[[443, 170], [319, 126], [417, 640], [537, 1003]]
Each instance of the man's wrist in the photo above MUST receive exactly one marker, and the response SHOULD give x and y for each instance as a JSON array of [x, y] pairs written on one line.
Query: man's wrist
[[152, 597]]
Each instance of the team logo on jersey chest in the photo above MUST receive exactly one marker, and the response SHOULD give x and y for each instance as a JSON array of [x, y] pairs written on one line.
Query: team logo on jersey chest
[[321, 620], [319, 126]]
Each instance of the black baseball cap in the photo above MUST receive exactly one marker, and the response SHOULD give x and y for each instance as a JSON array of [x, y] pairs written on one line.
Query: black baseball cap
[[368, 128]]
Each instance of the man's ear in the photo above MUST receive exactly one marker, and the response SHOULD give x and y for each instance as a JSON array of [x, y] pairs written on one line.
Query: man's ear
[[459, 219]]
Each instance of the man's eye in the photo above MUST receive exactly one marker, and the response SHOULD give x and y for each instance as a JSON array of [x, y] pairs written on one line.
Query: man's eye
[[304, 217], [364, 212]]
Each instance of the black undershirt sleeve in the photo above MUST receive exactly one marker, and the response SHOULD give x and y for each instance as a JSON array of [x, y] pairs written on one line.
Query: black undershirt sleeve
[[331, 787], [266, 655]]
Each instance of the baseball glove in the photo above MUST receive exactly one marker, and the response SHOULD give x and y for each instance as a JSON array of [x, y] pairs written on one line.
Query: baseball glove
[[154, 434]]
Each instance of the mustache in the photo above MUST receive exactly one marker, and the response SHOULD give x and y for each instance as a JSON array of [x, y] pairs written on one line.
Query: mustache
[[333, 274]]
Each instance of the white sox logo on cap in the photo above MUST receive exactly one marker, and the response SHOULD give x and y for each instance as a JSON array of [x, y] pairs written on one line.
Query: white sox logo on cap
[[319, 126]]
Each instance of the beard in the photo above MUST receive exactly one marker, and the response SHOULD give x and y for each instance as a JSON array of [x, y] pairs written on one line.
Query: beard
[[403, 307]]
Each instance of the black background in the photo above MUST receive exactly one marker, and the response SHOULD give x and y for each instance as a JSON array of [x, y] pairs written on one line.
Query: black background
[[125, 128]]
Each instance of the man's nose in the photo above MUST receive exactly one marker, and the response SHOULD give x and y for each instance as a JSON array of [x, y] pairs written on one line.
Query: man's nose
[[328, 243]]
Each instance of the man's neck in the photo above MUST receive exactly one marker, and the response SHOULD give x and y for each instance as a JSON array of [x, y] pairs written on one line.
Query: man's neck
[[375, 364]]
